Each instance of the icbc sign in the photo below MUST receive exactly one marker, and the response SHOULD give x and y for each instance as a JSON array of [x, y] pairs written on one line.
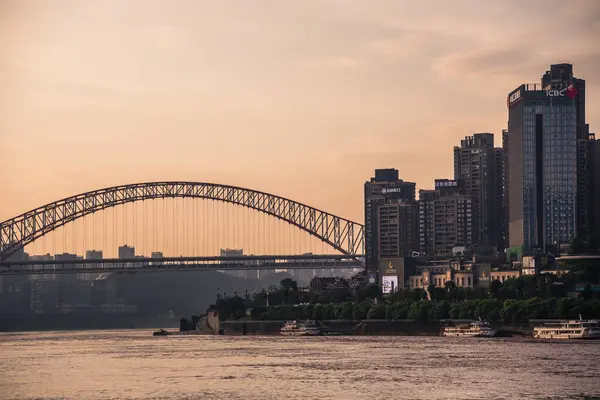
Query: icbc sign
[[514, 97], [570, 92]]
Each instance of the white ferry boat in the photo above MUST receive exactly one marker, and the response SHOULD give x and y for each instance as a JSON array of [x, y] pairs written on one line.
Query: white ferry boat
[[577, 329], [473, 329], [308, 328]]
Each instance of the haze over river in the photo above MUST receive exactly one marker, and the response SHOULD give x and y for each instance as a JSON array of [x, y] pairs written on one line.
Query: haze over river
[[135, 365]]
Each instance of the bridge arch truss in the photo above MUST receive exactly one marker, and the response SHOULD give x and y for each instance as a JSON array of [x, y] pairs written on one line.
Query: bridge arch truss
[[343, 235]]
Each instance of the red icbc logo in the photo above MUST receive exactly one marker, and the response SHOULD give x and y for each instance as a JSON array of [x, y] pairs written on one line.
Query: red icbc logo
[[571, 92]]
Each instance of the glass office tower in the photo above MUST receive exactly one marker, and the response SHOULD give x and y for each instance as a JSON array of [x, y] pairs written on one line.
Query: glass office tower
[[544, 132]]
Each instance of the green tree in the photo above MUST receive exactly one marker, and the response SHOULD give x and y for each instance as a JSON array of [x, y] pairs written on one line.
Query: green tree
[[469, 294], [420, 311], [368, 292], [487, 309], [563, 307], [400, 309], [377, 311], [346, 311], [317, 312], [328, 311], [460, 294], [449, 285], [360, 311], [510, 312], [289, 284], [443, 309], [439, 294], [467, 310], [454, 310], [431, 291], [494, 289]]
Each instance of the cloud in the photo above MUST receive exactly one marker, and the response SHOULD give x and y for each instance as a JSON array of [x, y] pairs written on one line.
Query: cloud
[[328, 90], [168, 37], [332, 63], [484, 61]]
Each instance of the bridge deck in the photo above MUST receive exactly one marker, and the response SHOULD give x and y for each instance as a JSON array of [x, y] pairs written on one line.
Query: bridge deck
[[142, 264]]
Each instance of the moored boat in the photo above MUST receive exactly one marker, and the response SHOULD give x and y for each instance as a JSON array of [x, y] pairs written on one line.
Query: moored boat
[[575, 329], [293, 328], [473, 329]]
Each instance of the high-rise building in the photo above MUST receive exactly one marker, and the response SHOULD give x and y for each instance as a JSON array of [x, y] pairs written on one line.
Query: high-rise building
[[397, 222], [426, 226], [445, 218], [453, 216], [476, 168], [93, 255], [548, 172], [500, 206], [504, 183], [594, 190], [390, 217], [126, 251]]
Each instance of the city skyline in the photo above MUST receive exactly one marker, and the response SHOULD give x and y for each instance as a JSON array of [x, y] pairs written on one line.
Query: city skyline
[[157, 98]]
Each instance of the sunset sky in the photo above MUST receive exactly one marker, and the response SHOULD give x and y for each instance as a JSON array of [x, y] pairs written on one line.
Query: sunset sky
[[302, 99]]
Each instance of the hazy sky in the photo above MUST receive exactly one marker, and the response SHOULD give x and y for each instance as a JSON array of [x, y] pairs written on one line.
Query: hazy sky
[[299, 98]]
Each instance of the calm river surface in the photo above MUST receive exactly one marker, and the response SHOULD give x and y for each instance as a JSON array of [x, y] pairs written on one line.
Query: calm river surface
[[135, 365]]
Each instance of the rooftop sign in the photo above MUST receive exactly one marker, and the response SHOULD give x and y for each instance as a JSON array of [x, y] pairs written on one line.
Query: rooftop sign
[[514, 97], [569, 92], [391, 190], [445, 183]]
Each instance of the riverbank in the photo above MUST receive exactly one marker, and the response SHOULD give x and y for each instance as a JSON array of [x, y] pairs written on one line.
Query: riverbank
[[57, 322], [368, 327]]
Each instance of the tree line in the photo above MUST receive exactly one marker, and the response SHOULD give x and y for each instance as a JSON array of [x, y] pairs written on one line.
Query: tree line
[[513, 301], [507, 311]]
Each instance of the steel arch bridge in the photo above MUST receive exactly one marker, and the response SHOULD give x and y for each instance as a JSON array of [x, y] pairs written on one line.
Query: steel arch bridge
[[343, 235]]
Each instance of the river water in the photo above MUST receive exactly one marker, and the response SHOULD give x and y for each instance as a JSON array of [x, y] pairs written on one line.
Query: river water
[[135, 365]]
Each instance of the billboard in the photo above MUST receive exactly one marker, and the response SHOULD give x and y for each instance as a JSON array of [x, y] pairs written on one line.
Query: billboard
[[389, 284], [391, 272]]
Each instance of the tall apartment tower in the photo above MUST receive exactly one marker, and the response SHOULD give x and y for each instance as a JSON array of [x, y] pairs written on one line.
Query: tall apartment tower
[[500, 206], [548, 169], [594, 190], [475, 167], [445, 218], [504, 210], [426, 220], [390, 217]]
